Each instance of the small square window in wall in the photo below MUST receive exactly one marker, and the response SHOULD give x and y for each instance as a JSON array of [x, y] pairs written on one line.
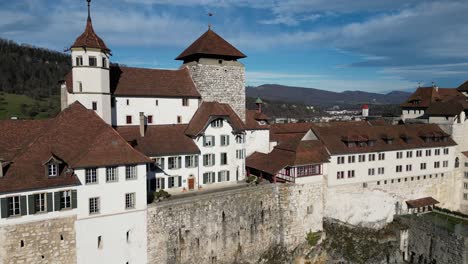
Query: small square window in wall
[[129, 119], [94, 106], [185, 102], [179, 119], [150, 119]]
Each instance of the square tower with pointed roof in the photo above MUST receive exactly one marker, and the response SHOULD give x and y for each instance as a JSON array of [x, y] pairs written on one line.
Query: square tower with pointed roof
[[215, 70]]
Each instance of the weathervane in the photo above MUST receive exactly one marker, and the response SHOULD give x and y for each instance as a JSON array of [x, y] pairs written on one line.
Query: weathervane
[[209, 24]]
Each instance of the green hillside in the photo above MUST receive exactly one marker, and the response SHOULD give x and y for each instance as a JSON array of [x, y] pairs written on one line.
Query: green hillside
[[25, 107]]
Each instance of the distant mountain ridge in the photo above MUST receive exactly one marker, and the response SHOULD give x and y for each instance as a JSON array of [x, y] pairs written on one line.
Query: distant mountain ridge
[[313, 96]]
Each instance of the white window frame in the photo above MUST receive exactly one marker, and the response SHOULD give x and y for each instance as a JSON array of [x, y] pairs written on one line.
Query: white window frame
[[191, 161], [224, 140], [94, 205], [40, 202], [53, 169], [14, 205], [210, 177], [131, 172], [174, 162], [209, 160], [112, 174], [218, 123], [208, 141], [91, 176], [130, 201], [223, 154], [66, 199]]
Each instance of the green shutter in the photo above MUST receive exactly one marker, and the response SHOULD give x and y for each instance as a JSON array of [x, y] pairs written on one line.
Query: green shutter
[[74, 199], [32, 203], [204, 140], [180, 181], [213, 159], [227, 140], [227, 177], [179, 162], [196, 161], [50, 204], [23, 205], [219, 176], [4, 207], [214, 140], [57, 201], [205, 177]]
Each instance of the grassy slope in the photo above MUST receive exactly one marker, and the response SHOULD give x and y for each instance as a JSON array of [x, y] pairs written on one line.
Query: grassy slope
[[25, 107]]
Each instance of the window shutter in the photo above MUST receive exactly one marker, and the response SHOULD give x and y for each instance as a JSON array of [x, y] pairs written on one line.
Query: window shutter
[[196, 161], [57, 201], [204, 140], [180, 180], [32, 204], [23, 205], [179, 162], [205, 177], [213, 140], [219, 176], [74, 197], [213, 160], [187, 159], [50, 206], [4, 207], [227, 140], [227, 175], [163, 183]]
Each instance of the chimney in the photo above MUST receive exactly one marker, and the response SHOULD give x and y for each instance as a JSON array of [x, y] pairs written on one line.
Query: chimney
[[142, 124], [435, 86]]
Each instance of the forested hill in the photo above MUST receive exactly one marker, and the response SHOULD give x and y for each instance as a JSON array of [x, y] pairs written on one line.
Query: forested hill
[[32, 71]]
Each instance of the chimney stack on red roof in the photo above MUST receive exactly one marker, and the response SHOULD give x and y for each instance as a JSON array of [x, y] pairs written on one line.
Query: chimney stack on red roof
[[142, 124]]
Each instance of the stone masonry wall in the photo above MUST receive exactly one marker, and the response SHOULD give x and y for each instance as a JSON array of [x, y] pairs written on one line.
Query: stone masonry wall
[[428, 243], [235, 226], [224, 83], [49, 241]]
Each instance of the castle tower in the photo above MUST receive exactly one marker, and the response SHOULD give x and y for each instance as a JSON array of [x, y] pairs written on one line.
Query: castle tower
[[365, 110], [90, 72], [214, 68]]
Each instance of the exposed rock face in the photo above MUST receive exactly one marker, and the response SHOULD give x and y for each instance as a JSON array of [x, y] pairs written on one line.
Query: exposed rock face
[[49, 241]]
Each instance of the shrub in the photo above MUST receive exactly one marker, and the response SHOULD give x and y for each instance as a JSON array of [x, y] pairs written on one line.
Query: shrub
[[161, 195], [313, 237], [252, 179]]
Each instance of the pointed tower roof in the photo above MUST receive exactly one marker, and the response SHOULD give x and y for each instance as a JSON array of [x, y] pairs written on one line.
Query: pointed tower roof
[[211, 45], [89, 38]]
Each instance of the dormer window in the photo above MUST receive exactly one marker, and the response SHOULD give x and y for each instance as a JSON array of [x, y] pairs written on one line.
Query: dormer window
[[92, 61], [217, 123], [79, 61], [52, 169]]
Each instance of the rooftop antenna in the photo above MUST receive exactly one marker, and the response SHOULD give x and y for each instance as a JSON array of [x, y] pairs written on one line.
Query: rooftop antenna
[[209, 24]]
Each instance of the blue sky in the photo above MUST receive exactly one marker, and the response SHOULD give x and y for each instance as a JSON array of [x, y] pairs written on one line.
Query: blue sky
[[371, 45]]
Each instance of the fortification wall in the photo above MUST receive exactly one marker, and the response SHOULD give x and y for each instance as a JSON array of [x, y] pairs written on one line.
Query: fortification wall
[[428, 243], [224, 83], [233, 226], [48, 241]]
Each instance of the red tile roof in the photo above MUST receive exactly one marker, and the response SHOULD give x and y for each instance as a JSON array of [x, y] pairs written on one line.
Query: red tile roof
[[332, 135], [89, 39], [286, 132], [465, 153], [209, 111], [423, 97], [463, 87], [252, 118], [77, 136], [290, 153], [160, 140], [212, 45], [126, 81], [426, 201]]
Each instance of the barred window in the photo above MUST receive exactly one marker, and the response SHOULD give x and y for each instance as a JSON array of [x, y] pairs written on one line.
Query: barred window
[[94, 205]]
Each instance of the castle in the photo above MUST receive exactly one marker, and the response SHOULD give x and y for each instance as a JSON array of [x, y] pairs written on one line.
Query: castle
[[73, 188]]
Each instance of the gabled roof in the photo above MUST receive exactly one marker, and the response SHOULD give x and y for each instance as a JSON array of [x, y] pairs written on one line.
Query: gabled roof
[[252, 119], [450, 108], [77, 136], [290, 153], [89, 39], [333, 135], [126, 81], [426, 201], [423, 97], [210, 44], [160, 140], [209, 111]]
